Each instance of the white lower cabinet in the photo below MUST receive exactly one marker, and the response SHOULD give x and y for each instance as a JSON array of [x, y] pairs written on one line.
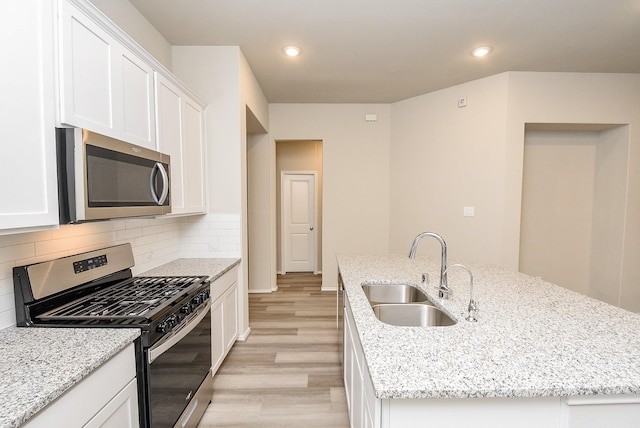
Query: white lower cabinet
[[107, 398], [362, 403], [365, 410], [224, 316]]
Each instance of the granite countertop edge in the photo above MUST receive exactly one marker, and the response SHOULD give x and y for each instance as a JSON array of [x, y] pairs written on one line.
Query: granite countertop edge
[[213, 268]]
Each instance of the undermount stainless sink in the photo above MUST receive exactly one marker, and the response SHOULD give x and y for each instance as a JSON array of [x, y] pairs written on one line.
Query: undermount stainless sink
[[412, 315], [393, 293]]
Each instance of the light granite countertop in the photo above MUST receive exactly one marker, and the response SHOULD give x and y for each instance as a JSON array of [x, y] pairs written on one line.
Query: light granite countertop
[[37, 365], [533, 338]]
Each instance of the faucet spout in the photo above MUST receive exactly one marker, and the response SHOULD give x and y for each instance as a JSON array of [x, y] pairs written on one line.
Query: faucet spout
[[444, 291], [473, 304]]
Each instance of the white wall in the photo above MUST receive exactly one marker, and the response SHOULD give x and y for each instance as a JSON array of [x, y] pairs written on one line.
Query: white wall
[[131, 21], [355, 173], [444, 158], [260, 215]]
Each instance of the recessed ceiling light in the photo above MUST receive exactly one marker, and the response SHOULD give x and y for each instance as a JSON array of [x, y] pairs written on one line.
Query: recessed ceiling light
[[292, 50], [481, 51]]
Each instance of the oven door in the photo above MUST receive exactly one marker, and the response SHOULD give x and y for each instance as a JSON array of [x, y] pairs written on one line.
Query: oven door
[[179, 373]]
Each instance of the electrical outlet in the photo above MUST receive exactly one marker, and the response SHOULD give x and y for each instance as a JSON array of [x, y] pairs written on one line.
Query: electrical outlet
[[462, 102], [469, 211]]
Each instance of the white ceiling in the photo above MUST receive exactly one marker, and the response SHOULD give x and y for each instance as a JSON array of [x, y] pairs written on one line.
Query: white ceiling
[[370, 51]]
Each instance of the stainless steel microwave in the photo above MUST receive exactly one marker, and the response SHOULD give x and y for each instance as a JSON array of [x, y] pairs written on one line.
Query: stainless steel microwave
[[102, 178]]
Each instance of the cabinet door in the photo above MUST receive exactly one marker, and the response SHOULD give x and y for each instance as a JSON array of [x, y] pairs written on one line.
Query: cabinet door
[[28, 193], [87, 54], [193, 156], [169, 104], [120, 412], [138, 114], [230, 302], [217, 335]]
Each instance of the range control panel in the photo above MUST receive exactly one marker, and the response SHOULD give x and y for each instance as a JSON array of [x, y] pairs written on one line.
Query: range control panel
[[88, 264]]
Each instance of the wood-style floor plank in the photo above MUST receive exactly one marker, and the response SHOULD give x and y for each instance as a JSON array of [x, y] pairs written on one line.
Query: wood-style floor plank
[[287, 373]]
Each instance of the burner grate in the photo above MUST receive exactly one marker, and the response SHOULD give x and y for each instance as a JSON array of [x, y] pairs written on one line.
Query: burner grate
[[136, 299]]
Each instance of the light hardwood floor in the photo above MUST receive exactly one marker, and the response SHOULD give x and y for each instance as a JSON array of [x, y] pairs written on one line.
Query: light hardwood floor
[[287, 373]]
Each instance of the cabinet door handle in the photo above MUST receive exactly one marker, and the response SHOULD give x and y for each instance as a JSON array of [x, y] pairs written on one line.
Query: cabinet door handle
[[311, 228]]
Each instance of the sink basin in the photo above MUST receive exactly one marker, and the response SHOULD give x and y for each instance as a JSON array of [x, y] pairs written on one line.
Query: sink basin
[[412, 315], [393, 293]]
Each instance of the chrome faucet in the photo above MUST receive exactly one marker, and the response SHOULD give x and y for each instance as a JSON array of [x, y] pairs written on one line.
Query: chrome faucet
[[443, 291], [472, 308]]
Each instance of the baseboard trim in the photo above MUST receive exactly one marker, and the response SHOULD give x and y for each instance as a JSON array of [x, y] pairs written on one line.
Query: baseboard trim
[[243, 337]]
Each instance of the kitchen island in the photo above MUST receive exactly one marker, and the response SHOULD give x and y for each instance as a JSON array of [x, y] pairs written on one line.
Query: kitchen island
[[540, 355]]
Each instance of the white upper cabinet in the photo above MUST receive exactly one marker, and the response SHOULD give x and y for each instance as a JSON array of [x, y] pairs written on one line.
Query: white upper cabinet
[[104, 87], [180, 135], [28, 189]]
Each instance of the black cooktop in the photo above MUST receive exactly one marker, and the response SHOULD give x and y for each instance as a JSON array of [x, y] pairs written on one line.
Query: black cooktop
[[137, 299]]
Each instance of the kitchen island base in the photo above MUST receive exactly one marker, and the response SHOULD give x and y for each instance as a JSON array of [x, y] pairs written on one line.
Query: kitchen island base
[[548, 412]]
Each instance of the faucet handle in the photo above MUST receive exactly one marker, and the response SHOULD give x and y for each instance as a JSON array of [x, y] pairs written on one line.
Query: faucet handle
[[425, 279]]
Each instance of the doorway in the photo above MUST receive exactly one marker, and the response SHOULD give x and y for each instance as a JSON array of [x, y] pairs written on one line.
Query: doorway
[[299, 249]]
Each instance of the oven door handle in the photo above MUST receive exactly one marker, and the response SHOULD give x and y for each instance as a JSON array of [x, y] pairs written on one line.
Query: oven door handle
[[159, 348]]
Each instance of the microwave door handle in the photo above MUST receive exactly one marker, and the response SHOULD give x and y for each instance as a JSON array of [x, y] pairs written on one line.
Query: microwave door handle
[[158, 167]]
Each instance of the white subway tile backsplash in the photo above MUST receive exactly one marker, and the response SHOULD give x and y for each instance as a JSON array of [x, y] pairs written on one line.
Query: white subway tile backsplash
[[24, 238], [7, 318], [126, 234], [6, 287], [154, 242], [5, 270], [16, 252], [6, 302], [74, 243]]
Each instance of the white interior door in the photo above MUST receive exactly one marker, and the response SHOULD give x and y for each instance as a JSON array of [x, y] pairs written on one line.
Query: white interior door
[[299, 215]]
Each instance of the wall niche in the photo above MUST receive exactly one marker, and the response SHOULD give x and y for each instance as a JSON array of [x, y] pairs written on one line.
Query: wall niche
[[574, 194]]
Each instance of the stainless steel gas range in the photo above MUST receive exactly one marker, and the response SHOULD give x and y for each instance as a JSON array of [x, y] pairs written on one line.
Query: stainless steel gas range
[[96, 289]]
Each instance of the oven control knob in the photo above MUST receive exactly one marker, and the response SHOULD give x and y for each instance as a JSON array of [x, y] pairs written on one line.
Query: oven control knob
[[187, 308], [174, 320], [163, 327], [197, 300], [170, 322]]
